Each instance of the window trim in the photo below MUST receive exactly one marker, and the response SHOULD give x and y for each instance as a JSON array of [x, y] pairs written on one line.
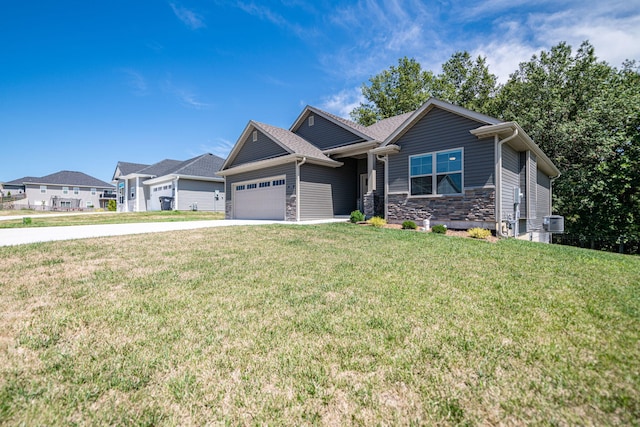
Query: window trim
[[65, 190], [43, 189], [434, 173]]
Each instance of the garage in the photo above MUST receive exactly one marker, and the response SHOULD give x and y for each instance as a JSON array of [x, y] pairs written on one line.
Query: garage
[[260, 199]]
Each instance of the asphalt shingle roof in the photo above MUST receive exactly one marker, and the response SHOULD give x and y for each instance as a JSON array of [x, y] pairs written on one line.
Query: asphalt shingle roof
[[126, 167], [69, 178], [294, 143], [382, 129]]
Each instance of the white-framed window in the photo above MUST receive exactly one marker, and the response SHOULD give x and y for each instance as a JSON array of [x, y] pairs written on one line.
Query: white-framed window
[[43, 189], [239, 187], [251, 186], [434, 173], [93, 191], [65, 190], [89, 204], [278, 182], [255, 136], [133, 192], [265, 184], [311, 121], [65, 204], [76, 190]]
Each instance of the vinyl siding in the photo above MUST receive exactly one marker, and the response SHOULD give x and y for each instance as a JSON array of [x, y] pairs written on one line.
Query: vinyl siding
[[34, 197], [326, 192], [325, 134], [510, 179], [532, 199], [288, 169], [543, 194], [200, 192], [524, 187], [441, 130], [263, 148]]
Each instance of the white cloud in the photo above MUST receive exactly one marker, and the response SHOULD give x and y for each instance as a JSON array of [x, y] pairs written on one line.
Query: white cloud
[[220, 147], [136, 82], [343, 102], [186, 96], [188, 17]]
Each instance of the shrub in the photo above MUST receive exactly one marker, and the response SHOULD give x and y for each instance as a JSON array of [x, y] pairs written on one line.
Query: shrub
[[356, 216], [376, 221], [479, 233], [409, 225], [439, 229], [26, 220], [112, 205]]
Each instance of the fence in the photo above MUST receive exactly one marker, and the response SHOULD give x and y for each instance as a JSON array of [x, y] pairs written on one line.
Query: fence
[[620, 244]]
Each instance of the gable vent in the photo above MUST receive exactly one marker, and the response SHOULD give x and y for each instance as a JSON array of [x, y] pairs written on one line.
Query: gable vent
[[311, 120], [255, 135]]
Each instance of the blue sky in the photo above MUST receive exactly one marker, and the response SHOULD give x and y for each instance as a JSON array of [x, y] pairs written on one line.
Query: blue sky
[[84, 84]]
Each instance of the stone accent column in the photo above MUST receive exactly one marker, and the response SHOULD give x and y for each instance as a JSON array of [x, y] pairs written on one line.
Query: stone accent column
[[369, 204], [228, 206], [292, 206]]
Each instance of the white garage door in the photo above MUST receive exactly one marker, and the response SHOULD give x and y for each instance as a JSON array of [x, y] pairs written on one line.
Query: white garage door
[[261, 199]]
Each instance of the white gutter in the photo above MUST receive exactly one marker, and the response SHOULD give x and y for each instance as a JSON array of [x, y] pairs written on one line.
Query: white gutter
[[498, 159], [304, 160]]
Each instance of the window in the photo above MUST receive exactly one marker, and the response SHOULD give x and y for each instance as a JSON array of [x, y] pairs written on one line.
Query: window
[[43, 188], [278, 182], [436, 173], [76, 190], [250, 186], [65, 190], [265, 184], [65, 204], [133, 193], [89, 204], [311, 120], [255, 136], [239, 187], [93, 191]]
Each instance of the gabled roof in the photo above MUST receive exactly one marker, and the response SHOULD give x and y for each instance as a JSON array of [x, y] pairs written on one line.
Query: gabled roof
[[71, 178], [294, 145], [385, 127], [127, 168], [202, 166], [20, 181], [431, 103], [352, 127], [163, 167]]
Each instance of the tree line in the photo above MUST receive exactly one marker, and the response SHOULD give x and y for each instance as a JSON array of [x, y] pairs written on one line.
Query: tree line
[[582, 112]]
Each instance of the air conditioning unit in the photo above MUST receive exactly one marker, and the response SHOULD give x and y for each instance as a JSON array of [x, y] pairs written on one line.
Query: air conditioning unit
[[553, 224]]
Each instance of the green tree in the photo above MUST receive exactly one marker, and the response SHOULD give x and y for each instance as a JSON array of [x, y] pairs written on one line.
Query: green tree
[[394, 91], [466, 82], [583, 113]]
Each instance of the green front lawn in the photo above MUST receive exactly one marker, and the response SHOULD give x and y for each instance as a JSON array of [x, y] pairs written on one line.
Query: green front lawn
[[331, 324], [109, 218]]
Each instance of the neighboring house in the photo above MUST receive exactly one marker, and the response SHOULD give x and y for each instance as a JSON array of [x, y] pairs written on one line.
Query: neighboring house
[[64, 190], [441, 162], [171, 185]]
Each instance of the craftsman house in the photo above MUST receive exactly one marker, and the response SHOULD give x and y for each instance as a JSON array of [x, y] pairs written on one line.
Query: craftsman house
[[441, 162], [170, 185]]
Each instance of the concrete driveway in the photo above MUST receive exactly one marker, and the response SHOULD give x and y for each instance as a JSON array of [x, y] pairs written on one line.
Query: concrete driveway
[[20, 236]]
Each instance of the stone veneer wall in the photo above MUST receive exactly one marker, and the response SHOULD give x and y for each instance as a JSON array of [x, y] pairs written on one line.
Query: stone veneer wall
[[476, 208]]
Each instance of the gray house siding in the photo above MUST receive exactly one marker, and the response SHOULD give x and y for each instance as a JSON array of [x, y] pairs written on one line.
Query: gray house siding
[[263, 148], [510, 180], [200, 194], [325, 134], [326, 192], [543, 194], [524, 187], [289, 170], [532, 198], [440, 130]]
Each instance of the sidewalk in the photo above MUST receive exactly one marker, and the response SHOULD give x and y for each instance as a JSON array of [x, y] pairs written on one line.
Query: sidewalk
[[20, 236]]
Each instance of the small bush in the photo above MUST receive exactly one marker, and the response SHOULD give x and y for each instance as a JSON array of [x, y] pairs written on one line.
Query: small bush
[[356, 216], [112, 205], [26, 220], [439, 229], [409, 225], [479, 233], [376, 221]]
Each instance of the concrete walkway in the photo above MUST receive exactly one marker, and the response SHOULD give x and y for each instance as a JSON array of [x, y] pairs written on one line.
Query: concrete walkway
[[20, 236]]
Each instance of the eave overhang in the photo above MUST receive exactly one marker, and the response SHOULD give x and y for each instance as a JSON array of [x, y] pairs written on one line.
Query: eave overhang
[[276, 161]]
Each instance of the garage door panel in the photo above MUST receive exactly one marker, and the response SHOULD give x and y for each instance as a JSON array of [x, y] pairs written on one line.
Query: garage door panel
[[259, 202]]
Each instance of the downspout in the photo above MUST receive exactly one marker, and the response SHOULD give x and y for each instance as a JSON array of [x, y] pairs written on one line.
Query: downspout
[[498, 155], [304, 160], [175, 206], [384, 159]]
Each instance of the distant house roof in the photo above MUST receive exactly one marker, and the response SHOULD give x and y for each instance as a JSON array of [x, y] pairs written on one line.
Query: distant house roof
[[203, 166], [71, 178], [20, 181]]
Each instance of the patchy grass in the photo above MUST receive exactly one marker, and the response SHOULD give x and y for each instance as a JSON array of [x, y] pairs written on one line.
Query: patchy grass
[[330, 324], [111, 218]]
